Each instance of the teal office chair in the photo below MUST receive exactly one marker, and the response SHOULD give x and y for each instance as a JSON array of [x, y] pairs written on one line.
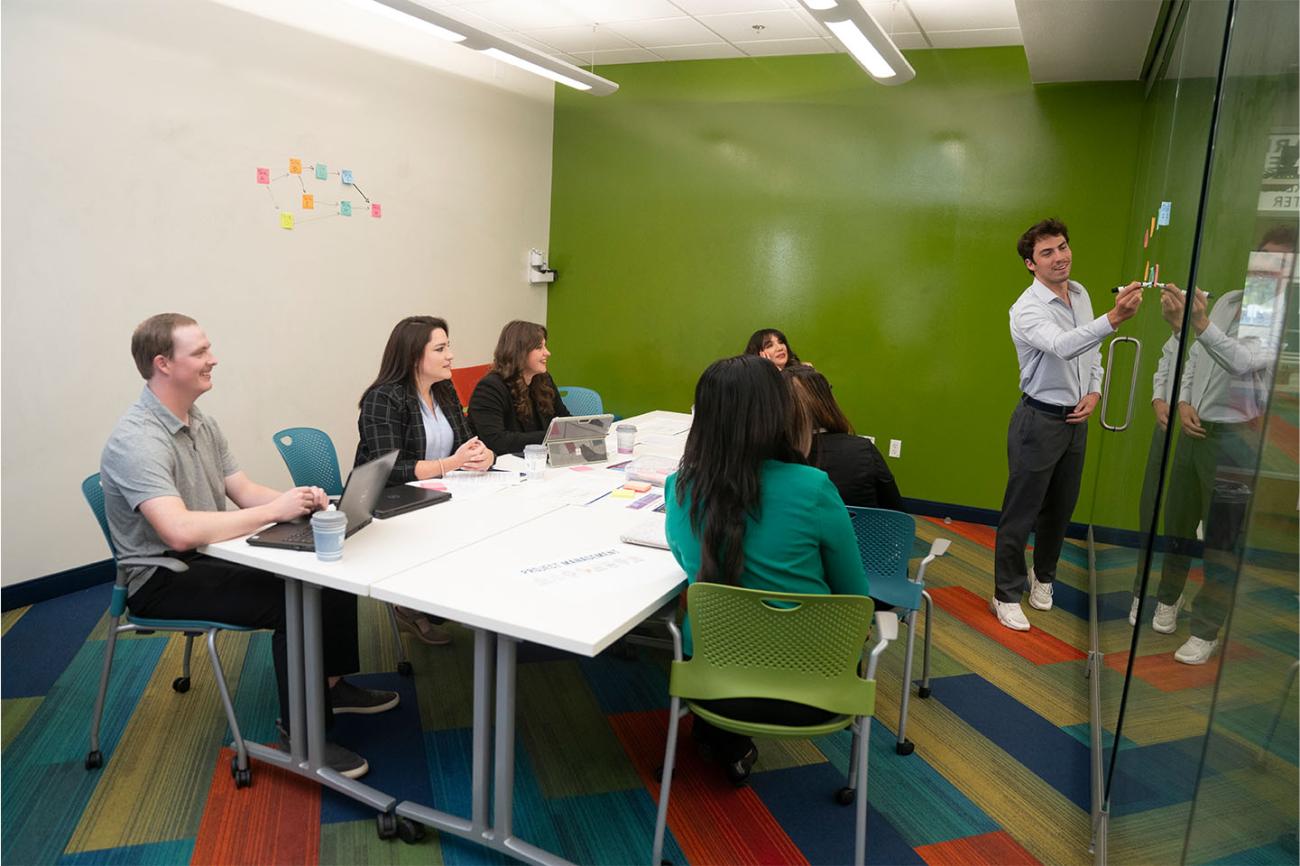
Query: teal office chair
[[781, 646], [581, 401], [239, 768], [312, 461], [885, 545]]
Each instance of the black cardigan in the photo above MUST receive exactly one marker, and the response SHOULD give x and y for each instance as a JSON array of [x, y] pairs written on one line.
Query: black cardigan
[[390, 418], [857, 470], [492, 411]]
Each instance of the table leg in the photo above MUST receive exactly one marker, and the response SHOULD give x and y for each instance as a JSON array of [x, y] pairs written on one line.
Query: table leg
[[484, 643]]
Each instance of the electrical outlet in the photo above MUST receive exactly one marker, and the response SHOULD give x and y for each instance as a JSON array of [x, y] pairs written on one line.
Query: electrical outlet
[[895, 447]]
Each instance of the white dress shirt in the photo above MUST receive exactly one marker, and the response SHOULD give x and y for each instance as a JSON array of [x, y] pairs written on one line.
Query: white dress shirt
[[1162, 383], [438, 435], [1058, 345], [1226, 375]]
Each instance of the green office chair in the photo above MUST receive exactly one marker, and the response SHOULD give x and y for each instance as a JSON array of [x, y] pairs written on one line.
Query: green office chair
[[885, 545], [239, 767], [581, 401], [782, 646], [312, 462]]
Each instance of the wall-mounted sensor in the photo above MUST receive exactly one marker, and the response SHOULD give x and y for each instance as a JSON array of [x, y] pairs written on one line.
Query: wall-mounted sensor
[[538, 272]]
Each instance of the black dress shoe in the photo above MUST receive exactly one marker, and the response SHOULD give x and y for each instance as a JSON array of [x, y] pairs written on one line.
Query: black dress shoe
[[738, 771]]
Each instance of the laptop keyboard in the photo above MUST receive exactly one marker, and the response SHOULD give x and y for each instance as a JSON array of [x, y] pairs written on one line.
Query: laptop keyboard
[[301, 536]]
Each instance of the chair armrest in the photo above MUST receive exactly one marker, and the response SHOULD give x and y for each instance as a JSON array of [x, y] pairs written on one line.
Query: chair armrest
[[886, 631], [938, 548], [676, 632], [166, 562]]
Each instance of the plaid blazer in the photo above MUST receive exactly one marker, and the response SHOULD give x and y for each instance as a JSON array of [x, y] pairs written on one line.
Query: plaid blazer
[[390, 418]]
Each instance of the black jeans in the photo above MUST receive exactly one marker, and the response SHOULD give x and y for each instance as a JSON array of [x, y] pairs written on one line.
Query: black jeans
[[728, 747], [221, 591]]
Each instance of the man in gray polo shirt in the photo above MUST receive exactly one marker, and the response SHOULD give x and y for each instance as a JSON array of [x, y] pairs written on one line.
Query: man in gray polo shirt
[[167, 474], [1057, 342]]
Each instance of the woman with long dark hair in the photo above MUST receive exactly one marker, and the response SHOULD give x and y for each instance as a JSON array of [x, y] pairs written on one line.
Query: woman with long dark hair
[[412, 406], [771, 344], [515, 402], [855, 466], [745, 509]]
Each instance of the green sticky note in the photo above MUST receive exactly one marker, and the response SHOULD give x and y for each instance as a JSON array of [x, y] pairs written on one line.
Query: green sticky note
[[345, 208], [322, 171]]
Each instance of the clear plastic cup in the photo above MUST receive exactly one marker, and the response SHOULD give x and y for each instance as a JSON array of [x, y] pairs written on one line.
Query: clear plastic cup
[[534, 460], [626, 434], [329, 529]]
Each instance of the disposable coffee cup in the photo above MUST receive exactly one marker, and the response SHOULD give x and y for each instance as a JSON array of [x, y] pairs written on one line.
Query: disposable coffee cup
[[328, 528], [534, 460], [626, 437]]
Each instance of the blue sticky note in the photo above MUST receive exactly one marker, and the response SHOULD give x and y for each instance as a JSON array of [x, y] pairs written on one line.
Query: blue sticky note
[[1163, 218], [345, 208], [322, 171], [347, 175]]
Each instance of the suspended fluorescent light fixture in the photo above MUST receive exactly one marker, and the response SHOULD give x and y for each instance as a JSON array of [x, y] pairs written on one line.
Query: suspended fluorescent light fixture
[[502, 49], [855, 29]]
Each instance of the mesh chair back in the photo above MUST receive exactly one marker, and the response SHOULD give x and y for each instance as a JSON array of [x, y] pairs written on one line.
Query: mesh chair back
[[885, 544], [309, 453], [582, 401], [94, 493], [787, 646]]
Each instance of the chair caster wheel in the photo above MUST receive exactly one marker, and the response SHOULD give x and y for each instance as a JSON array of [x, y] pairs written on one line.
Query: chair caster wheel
[[94, 760], [659, 774], [409, 831], [905, 748], [924, 692], [243, 778], [181, 684], [405, 669], [845, 796], [386, 825]]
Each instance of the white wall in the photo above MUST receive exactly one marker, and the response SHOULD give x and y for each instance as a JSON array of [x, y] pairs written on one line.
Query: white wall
[[131, 132]]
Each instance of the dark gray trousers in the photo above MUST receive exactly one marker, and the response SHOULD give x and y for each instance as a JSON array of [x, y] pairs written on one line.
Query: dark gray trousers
[[1045, 468]]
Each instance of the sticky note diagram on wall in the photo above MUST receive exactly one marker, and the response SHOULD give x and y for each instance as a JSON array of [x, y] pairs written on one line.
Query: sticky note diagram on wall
[[314, 194]]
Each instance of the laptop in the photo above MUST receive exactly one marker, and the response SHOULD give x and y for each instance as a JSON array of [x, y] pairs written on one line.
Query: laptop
[[401, 499], [365, 486], [578, 439]]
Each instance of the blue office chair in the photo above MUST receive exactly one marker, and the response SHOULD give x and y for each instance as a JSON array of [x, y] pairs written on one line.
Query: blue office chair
[[581, 401], [312, 462], [117, 608], [885, 545]]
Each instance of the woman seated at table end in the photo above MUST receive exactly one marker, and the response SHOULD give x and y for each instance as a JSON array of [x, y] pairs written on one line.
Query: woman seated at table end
[[516, 401], [744, 509], [771, 344]]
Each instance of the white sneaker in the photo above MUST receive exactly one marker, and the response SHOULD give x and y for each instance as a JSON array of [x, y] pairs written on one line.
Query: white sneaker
[[1009, 614], [1133, 611], [1040, 594], [1165, 619], [1196, 651]]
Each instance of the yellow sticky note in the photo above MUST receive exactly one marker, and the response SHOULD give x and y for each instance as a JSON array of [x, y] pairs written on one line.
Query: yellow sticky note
[[286, 219], [623, 493], [308, 201], [295, 166], [1152, 230]]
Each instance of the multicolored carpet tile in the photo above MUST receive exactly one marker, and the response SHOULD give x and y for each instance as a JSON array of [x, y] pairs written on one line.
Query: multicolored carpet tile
[[1000, 772]]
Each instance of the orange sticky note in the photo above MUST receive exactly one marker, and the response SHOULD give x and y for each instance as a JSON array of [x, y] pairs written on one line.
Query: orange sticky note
[[295, 166], [308, 201], [1155, 277], [1152, 230], [286, 219], [637, 486], [1146, 239]]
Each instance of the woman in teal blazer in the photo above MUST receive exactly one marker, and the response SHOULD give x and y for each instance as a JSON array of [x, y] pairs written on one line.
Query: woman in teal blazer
[[744, 509]]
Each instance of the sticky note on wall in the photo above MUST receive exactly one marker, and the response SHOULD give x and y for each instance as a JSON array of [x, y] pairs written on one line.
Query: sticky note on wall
[[308, 201], [286, 219], [347, 175], [263, 175], [295, 166], [345, 208], [322, 171], [376, 211], [1162, 219]]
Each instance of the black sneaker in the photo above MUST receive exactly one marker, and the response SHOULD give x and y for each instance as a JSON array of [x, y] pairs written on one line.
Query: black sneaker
[[347, 698], [738, 771], [343, 761]]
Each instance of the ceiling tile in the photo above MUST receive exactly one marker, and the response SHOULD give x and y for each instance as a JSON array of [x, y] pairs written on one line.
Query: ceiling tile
[[711, 51], [623, 55], [976, 38], [909, 41], [605, 11], [719, 7], [773, 24], [773, 47], [966, 15], [580, 39], [665, 31], [892, 16], [523, 14]]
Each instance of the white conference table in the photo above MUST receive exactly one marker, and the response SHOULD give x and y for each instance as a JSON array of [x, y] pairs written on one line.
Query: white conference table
[[539, 561]]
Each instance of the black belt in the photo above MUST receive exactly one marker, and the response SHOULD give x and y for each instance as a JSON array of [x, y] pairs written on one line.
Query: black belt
[[1049, 408]]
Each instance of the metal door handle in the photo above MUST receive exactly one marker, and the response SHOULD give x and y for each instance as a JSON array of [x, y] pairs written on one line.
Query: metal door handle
[[1132, 386]]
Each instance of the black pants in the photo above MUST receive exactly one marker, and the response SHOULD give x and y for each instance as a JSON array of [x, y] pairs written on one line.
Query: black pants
[[221, 591], [1045, 468], [728, 747]]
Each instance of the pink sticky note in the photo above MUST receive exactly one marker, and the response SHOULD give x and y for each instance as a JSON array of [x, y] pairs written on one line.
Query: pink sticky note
[[263, 175], [580, 468], [376, 211], [432, 485]]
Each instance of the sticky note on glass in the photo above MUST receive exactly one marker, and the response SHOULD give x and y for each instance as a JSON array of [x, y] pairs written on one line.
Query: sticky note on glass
[[1146, 239], [1162, 219], [376, 211], [345, 208], [308, 201], [1152, 230], [322, 171], [286, 219], [347, 175], [263, 175], [295, 166]]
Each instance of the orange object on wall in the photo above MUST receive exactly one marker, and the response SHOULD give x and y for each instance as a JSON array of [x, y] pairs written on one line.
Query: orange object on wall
[[465, 378]]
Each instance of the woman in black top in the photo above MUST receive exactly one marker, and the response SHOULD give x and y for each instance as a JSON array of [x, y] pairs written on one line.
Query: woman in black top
[[854, 465], [514, 403], [771, 344]]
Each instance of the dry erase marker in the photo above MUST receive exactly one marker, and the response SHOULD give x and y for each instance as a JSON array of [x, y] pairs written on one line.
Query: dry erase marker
[[1117, 289]]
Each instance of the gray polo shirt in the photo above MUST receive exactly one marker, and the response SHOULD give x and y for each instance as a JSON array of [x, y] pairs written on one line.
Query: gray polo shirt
[[152, 453]]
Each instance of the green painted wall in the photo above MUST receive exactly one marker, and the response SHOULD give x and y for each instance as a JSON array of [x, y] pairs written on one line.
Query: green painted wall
[[876, 226]]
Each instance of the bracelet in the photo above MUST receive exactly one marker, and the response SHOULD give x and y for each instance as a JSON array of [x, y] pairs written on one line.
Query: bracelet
[[441, 472]]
